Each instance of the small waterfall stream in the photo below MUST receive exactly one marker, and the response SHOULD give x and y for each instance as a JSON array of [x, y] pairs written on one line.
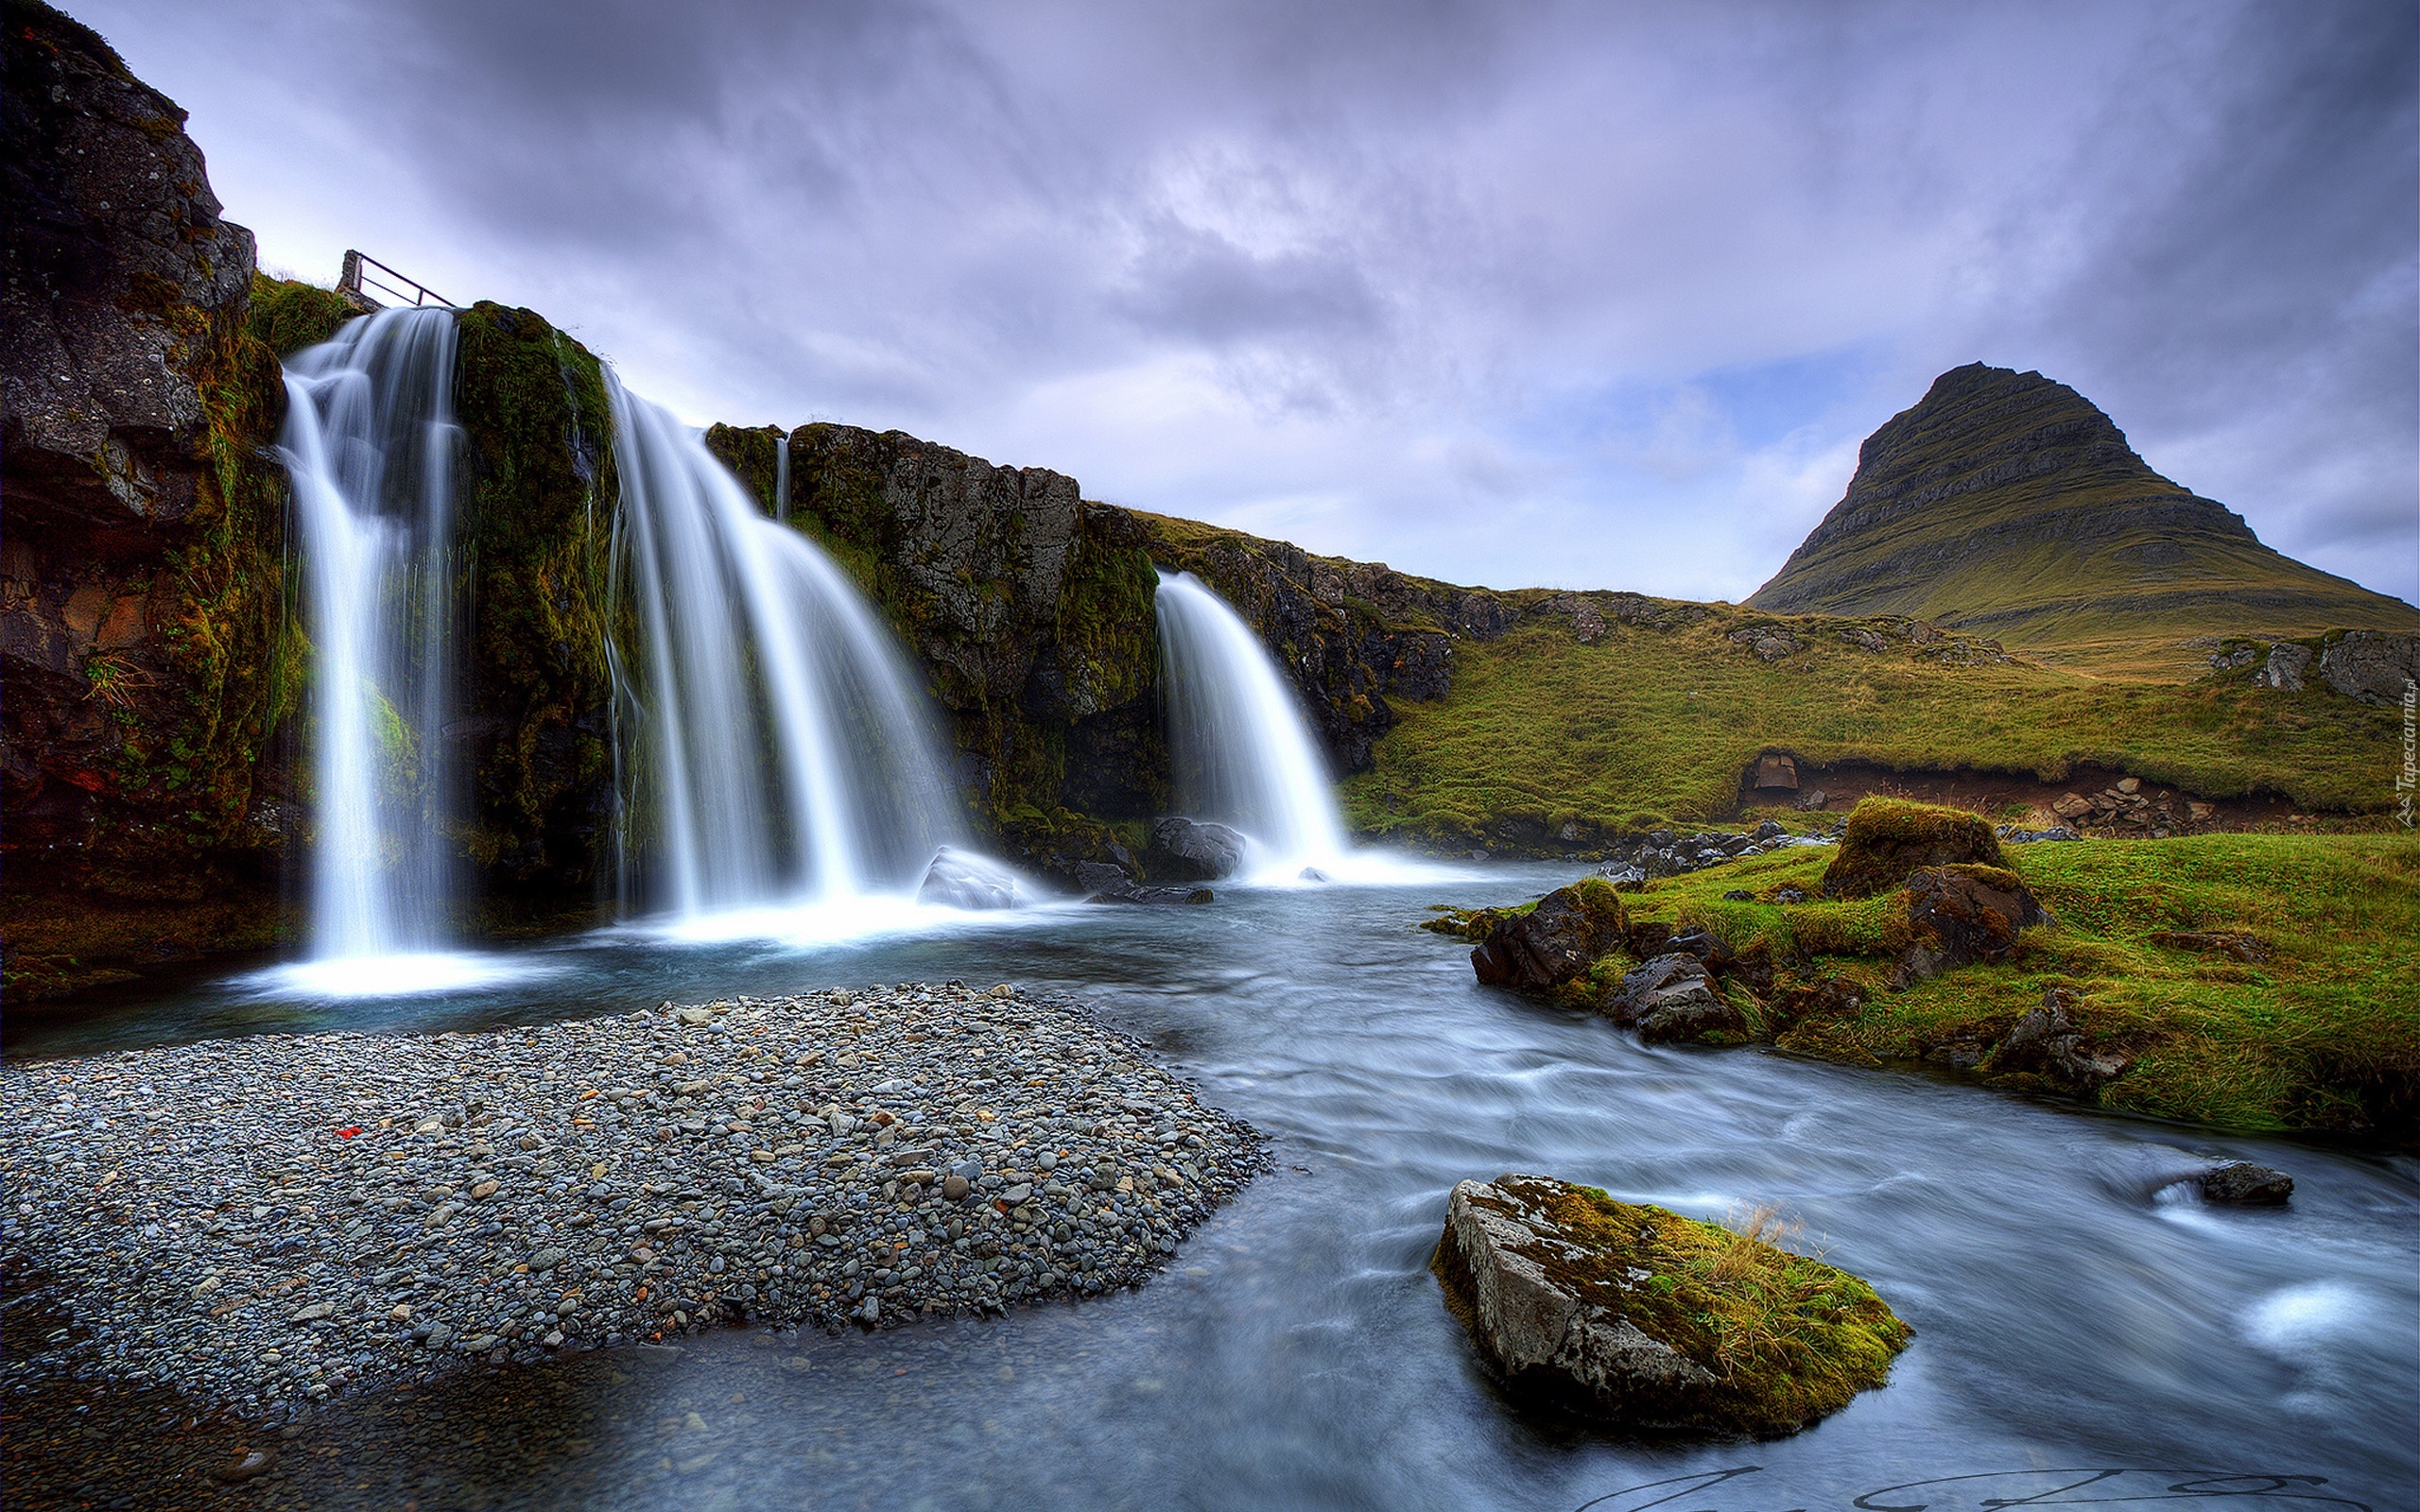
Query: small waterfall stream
[[371, 448], [1244, 755], [785, 754], [782, 478]]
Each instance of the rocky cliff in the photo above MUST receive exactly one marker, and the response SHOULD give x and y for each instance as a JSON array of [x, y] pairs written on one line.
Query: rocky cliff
[[144, 616], [2006, 504]]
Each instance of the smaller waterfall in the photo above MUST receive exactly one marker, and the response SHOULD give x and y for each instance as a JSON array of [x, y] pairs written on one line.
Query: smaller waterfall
[[782, 477], [784, 754], [1244, 756], [371, 448]]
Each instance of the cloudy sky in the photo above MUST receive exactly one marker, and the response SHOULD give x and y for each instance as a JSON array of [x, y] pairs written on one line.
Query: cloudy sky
[[1602, 294]]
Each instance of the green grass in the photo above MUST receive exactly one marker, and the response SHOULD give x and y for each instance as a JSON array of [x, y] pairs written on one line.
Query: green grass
[[2324, 1034], [1654, 725]]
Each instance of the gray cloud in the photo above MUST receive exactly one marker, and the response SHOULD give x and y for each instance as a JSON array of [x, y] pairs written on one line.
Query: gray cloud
[[1508, 293]]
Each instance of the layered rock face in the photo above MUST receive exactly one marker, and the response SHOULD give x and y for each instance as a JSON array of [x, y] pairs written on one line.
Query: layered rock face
[[2004, 504], [143, 604], [1031, 611]]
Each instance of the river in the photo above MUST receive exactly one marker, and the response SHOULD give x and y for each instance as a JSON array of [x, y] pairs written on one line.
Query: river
[[2070, 1316]]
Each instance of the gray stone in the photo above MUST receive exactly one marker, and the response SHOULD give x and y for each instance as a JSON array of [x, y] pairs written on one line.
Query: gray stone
[[2243, 1183], [2374, 666], [2285, 669]]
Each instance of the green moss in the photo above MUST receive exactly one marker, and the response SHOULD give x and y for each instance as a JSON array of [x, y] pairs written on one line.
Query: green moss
[[285, 316], [751, 455], [536, 541]]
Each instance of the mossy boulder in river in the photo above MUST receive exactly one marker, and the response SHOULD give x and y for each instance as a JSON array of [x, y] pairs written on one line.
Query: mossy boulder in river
[[1648, 1319], [1889, 839], [1555, 943]]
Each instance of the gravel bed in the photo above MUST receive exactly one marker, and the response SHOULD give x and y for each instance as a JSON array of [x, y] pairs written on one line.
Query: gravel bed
[[266, 1220]]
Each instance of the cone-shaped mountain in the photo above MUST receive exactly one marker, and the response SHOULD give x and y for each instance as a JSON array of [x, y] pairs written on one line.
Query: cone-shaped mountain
[[2007, 505]]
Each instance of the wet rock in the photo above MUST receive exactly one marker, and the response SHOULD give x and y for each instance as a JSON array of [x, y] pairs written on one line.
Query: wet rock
[[961, 878], [1962, 916], [1185, 849], [2243, 1183], [1554, 943], [1672, 998], [1617, 1310], [1149, 896], [2047, 1044], [1887, 839]]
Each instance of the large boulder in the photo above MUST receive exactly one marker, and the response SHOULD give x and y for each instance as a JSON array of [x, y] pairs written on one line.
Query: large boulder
[[1965, 915], [1556, 942], [1185, 849], [1649, 1319], [1672, 998], [2375, 666], [1887, 839]]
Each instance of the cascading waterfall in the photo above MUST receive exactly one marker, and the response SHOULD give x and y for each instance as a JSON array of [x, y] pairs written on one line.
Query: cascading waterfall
[[1244, 756], [783, 753], [782, 478], [371, 448]]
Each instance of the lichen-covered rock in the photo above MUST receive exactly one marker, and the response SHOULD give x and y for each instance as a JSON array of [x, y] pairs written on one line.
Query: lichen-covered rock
[[2375, 666], [1554, 943], [1640, 1316], [1887, 839], [1965, 915]]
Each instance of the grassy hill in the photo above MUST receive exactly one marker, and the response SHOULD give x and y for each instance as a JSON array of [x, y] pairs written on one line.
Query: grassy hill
[[1658, 718], [2005, 505]]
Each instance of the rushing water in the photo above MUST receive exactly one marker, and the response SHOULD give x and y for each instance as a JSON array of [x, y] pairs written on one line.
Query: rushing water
[[782, 478], [784, 753], [2073, 1309], [372, 449], [1242, 753]]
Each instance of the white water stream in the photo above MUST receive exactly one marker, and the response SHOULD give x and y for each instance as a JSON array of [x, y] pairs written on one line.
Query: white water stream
[[786, 757], [1244, 755], [371, 448]]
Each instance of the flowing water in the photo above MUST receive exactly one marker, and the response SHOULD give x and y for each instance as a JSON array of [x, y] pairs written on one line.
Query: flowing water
[[785, 755], [373, 451], [782, 478], [1243, 754], [2075, 1311]]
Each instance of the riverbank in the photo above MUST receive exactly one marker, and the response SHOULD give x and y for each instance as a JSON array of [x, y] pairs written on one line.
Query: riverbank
[[258, 1221], [2240, 981]]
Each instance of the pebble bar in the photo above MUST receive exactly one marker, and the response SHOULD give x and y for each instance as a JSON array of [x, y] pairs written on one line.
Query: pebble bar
[[280, 1217]]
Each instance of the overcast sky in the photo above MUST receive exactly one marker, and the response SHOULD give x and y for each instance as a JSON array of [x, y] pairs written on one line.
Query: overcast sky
[[1596, 296]]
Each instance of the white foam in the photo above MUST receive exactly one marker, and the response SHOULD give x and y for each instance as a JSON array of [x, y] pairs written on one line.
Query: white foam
[[390, 976], [2288, 1321]]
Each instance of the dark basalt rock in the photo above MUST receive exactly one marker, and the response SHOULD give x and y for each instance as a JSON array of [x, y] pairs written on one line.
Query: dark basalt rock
[[1554, 943], [2243, 1183], [1186, 850], [1963, 915], [1154, 895], [1673, 998], [2047, 1044]]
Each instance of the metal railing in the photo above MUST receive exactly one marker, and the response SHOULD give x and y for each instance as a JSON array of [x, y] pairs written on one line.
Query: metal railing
[[358, 282]]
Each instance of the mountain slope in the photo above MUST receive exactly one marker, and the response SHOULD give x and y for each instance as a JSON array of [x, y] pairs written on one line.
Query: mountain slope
[[2008, 506]]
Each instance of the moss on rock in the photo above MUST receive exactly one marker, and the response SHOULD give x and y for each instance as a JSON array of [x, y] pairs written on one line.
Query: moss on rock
[[1887, 839], [287, 315], [1634, 1313]]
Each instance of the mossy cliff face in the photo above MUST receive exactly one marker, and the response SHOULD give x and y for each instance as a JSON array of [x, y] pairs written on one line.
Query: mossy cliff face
[[144, 596], [1029, 612], [536, 521]]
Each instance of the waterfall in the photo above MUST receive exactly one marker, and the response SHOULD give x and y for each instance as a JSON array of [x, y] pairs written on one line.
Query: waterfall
[[1244, 756], [782, 477], [784, 754], [371, 448]]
